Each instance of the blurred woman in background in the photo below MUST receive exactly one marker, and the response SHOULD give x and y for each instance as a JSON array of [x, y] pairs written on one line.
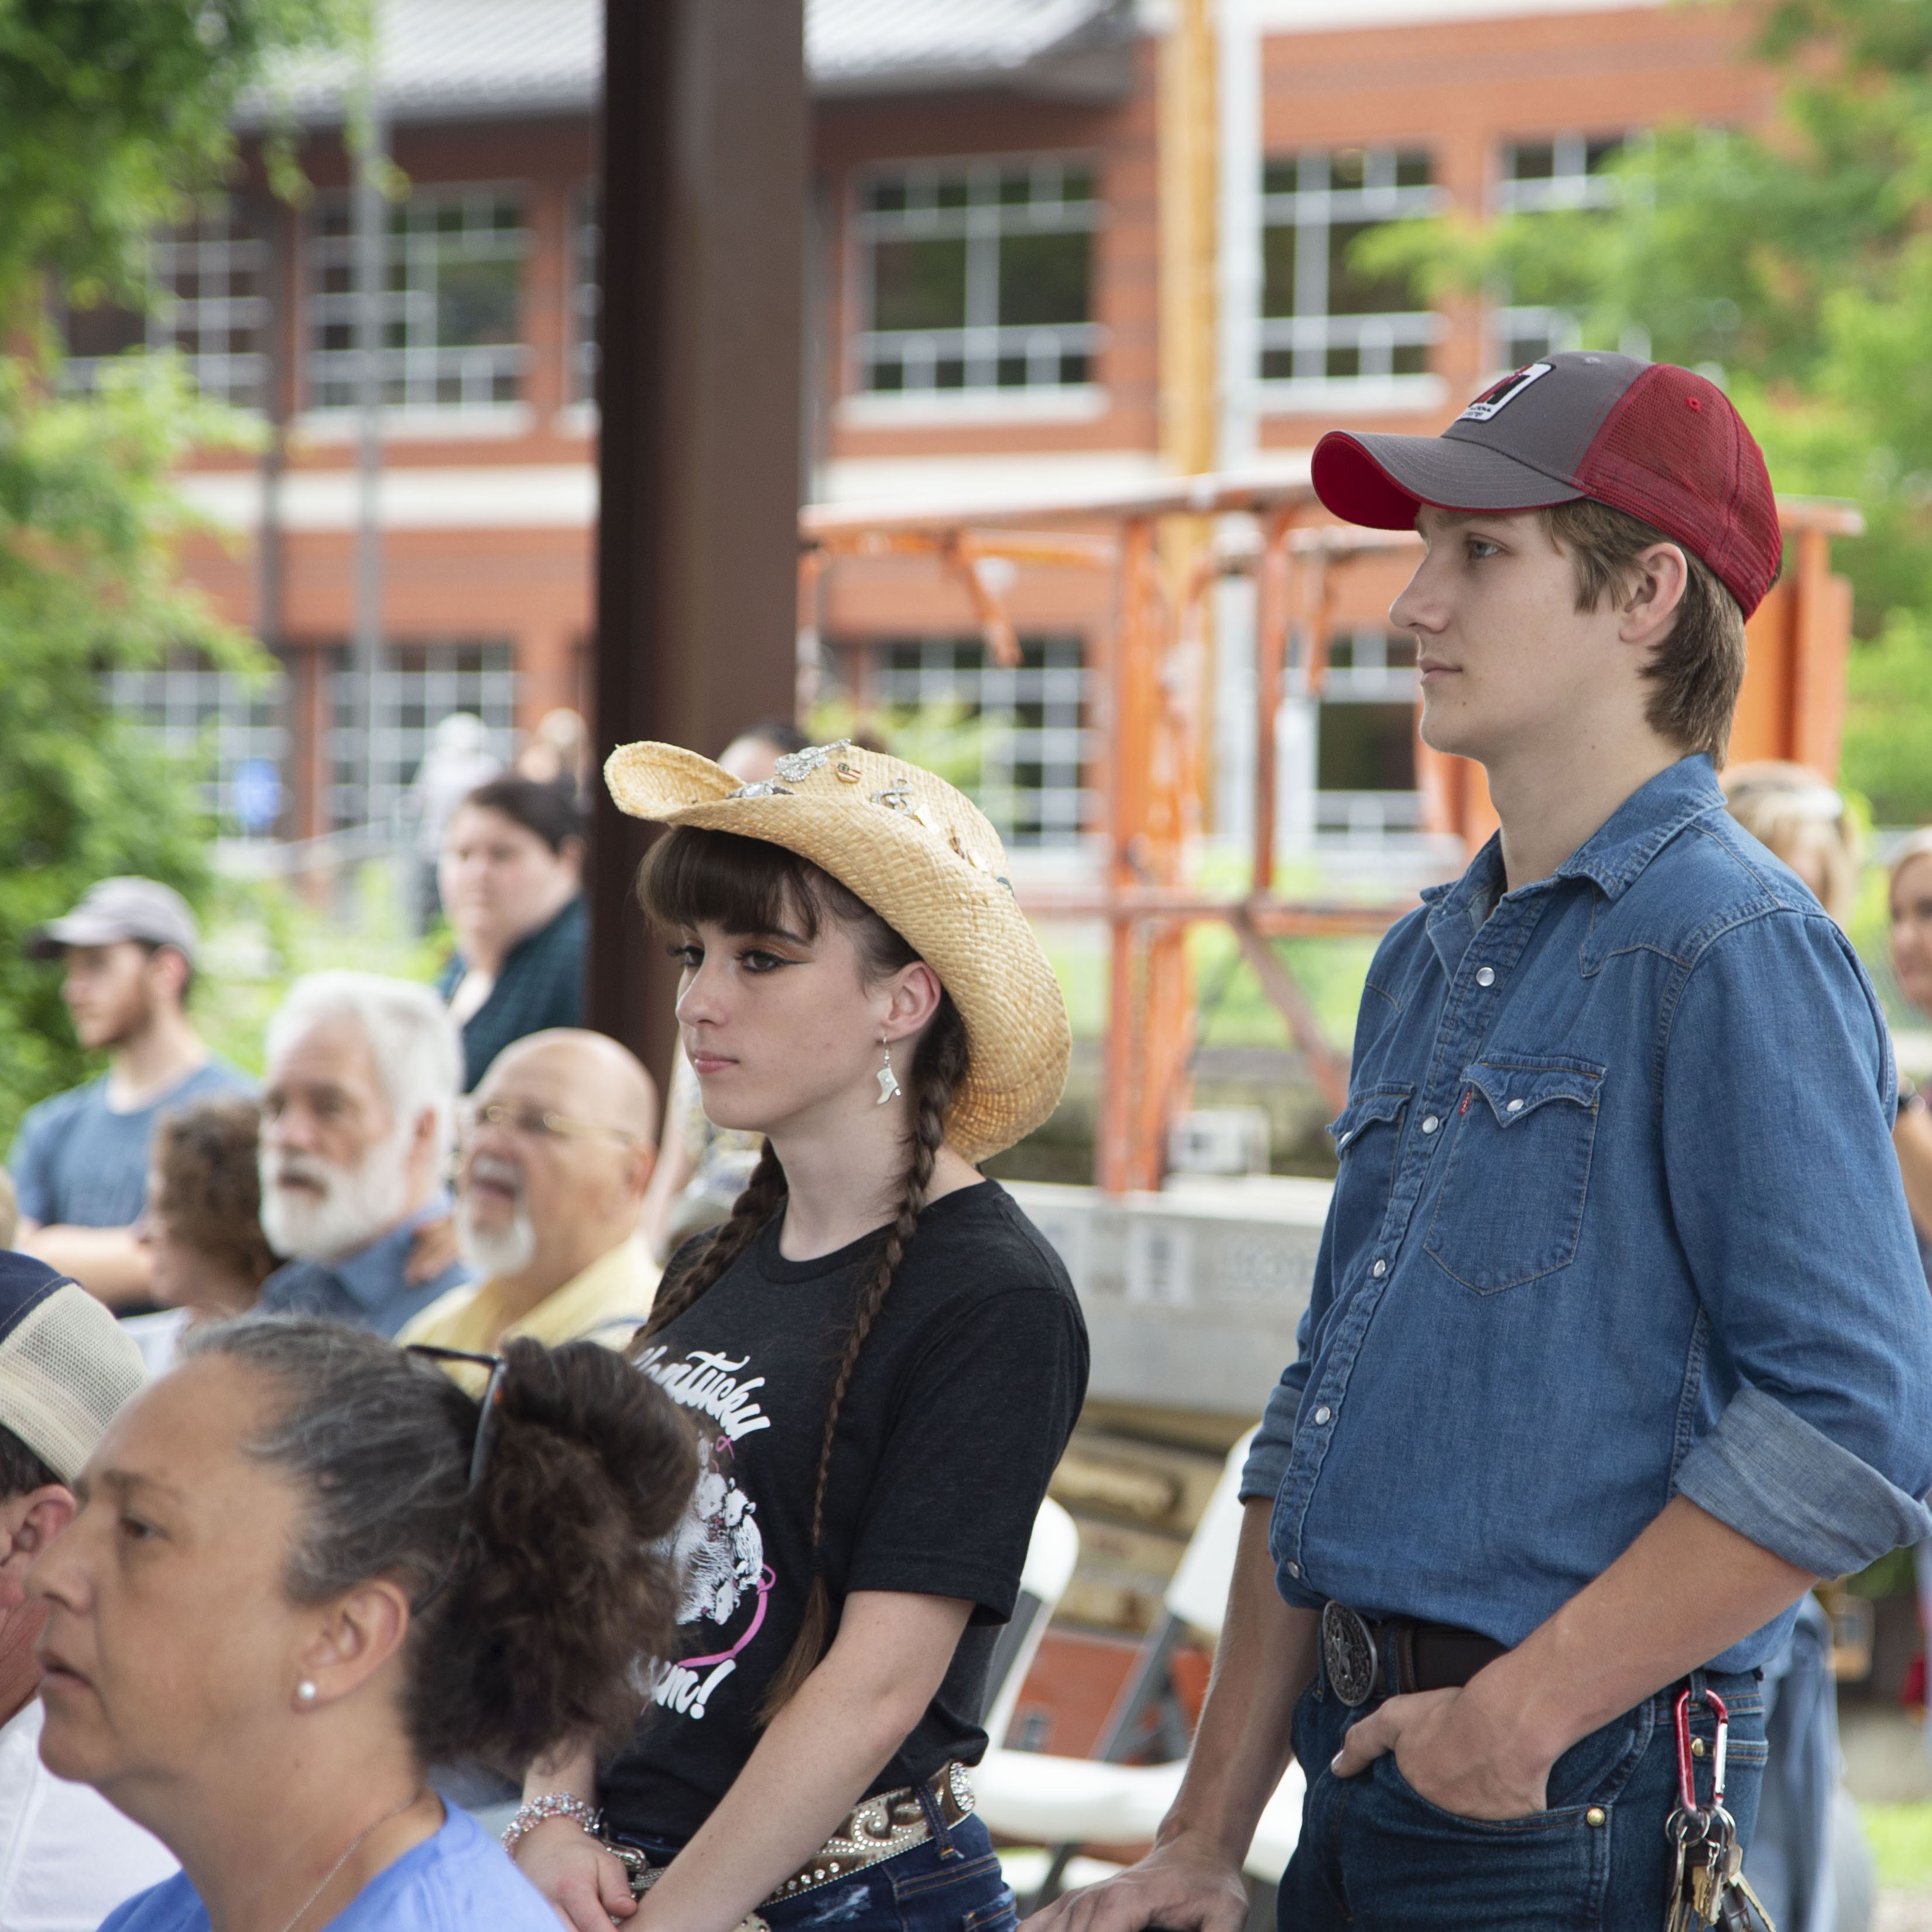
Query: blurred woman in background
[[307, 1568], [1804, 820], [512, 879], [201, 1227]]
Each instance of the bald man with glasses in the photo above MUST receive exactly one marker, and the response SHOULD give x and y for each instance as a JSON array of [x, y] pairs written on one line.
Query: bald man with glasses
[[555, 1150]]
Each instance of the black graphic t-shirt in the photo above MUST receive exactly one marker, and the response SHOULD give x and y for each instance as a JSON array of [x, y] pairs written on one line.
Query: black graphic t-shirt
[[962, 1401]]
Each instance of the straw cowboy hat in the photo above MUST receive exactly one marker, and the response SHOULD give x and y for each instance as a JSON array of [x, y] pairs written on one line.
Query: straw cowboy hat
[[923, 856]]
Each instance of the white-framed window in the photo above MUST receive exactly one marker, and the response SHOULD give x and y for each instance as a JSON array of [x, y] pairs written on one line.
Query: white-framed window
[[976, 276], [1564, 171], [210, 303], [1329, 327], [419, 685], [452, 299], [1365, 784], [587, 290], [1017, 741], [235, 729]]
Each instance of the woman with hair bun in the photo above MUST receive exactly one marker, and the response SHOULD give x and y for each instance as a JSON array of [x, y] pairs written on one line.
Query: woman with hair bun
[[885, 1358], [307, 1567]]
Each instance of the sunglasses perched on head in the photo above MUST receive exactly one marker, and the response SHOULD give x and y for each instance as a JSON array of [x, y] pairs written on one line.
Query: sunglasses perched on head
[[492, 1397]]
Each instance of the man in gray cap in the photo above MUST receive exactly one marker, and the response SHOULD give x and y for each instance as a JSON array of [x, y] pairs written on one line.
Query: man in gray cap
[[80, 1159]]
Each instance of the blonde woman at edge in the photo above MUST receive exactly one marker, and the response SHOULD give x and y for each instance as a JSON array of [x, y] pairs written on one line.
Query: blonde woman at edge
[[884, 1356]]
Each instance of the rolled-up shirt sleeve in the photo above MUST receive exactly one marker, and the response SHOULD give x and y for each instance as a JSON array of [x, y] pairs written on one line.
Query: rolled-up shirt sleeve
[[1778, 1092]]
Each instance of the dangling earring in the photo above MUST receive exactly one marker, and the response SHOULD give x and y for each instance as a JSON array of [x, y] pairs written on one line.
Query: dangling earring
[[305, 1692], [889, 1081]]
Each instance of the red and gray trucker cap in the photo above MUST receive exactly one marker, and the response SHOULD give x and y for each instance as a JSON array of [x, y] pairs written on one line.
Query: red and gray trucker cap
[[1659, 442]]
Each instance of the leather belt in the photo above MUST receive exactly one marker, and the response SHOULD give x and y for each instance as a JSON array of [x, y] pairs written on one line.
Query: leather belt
[[1367, 1657], [873, 1830]]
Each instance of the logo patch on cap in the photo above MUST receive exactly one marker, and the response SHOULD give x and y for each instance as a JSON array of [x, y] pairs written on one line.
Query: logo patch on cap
[[1504, 393]]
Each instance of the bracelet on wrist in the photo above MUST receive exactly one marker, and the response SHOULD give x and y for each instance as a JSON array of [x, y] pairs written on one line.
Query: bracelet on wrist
[[551, 1805]]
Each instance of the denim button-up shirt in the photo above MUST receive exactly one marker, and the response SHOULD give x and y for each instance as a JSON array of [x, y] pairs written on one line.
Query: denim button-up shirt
[[1617, 1218]]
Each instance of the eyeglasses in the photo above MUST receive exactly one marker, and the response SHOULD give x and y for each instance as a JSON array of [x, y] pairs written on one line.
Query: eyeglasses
[[492, 1398], [533, 1123]]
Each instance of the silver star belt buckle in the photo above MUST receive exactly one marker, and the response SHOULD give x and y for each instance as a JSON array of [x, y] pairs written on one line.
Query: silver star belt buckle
[[1349, 1658]]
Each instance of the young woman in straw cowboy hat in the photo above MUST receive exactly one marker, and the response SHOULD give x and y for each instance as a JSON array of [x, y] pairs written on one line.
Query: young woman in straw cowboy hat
[[884, 1357]]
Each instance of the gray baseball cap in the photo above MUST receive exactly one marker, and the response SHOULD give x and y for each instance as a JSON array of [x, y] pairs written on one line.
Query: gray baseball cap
[[124, 908]]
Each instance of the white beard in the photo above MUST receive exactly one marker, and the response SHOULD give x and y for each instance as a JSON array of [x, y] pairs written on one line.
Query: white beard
[[492, 1252], [355, 1205]]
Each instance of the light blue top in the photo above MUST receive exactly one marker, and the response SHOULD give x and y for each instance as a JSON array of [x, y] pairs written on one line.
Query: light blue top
[[1617, 1217], [368, 1289], [77, 1163], [458, 1881]]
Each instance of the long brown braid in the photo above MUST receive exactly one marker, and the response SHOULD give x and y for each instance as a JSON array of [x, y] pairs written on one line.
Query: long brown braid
[[763, 1196], [690, 878], [939, 1065]]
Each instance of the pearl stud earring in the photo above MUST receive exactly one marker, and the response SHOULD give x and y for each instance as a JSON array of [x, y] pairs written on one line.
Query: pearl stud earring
[[305, 1691]]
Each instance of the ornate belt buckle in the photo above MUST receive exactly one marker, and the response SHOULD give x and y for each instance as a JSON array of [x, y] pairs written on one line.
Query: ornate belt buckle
[[1349, 1658]]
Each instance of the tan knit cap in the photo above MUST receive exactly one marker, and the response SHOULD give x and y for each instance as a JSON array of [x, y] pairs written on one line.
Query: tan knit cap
[[926, 858]]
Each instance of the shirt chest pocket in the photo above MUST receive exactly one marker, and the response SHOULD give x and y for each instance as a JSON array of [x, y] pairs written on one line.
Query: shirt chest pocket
[[1365, 1137], [1511, 1206]]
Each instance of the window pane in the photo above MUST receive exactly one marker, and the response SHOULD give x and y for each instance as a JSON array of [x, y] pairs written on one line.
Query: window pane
[[1354, 291], [1411, 170], [1366, 748], [919, 284], [476, 302], [1278, 270], [1533, 160], [1043, 278], [104, 330]]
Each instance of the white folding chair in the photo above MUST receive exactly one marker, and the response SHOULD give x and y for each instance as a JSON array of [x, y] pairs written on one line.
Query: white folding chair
[[1066, 1801], [1051, 1555]]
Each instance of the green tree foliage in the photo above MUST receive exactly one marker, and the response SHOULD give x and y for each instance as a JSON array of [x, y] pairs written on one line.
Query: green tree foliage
[[113, 114], [1796, 261]]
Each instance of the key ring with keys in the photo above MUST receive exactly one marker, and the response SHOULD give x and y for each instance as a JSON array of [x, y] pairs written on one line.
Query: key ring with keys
[[1707, 1886]]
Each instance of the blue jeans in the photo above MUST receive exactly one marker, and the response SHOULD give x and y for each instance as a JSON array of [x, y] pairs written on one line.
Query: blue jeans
[[1374, 1856], [949, 1884]]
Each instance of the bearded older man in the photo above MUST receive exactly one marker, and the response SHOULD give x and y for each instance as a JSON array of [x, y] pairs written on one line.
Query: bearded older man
[[357, 1111], [557, 1149]]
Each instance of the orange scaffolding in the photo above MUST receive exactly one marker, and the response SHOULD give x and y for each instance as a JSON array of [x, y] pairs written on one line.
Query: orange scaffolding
[[1154, 725]]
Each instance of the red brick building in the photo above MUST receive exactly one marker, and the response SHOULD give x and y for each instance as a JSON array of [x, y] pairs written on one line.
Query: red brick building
[[985, 265]]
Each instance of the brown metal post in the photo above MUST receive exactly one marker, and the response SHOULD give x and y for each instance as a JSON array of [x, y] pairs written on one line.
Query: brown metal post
[[704, 138]]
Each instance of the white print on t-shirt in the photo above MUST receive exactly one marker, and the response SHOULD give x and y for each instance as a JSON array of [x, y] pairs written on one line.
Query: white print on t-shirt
[[707, 1380], [719, 1551]]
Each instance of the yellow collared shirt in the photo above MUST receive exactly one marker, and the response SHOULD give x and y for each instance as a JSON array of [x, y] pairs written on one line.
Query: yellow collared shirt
[[606, 1303]]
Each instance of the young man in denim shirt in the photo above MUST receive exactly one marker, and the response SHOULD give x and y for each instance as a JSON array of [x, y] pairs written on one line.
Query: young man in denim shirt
[[1618, 1338]]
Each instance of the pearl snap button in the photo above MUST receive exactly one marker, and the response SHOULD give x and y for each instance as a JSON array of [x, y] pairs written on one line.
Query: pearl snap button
[[1485, 976], [1322, 1414], [1516, 1107], [1380, 1269], [1429, 1126], [1294, 1569], [1596, 1815]]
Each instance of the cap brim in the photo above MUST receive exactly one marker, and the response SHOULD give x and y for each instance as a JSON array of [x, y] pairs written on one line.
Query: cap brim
[[1381, 481], [51, 940]]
